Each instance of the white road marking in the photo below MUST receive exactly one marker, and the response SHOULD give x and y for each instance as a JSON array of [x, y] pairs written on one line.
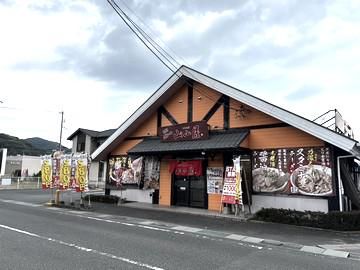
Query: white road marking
[[186, 229], [127, 260], [20, 203], [235, 237], [147, 222], [153, 228]]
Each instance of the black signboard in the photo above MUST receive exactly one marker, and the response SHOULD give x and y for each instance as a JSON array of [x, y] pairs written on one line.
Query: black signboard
[[185, 132]]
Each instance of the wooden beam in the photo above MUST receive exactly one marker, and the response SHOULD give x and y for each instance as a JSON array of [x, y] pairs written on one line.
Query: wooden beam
[[190, 102], [226, 112], [214, 108], [168, 115]]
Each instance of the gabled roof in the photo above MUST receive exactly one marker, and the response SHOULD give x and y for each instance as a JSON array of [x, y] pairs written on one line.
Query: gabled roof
[[172, 84], [92, 133]]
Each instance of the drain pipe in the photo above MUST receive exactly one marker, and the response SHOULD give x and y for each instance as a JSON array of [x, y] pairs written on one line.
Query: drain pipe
[[341, 207]]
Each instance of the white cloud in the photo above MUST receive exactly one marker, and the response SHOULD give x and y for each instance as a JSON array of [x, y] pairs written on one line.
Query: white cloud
[[269, 49]]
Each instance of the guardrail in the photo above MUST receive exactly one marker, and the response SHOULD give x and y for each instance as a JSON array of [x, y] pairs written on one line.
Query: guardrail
[[35, 183], [20, 183]]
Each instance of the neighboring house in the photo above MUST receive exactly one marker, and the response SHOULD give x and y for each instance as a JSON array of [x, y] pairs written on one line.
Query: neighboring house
[[86, 141], [192, 127], [22, 166]]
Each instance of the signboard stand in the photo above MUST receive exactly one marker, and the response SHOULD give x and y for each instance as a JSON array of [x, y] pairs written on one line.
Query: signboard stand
[[231, 194]]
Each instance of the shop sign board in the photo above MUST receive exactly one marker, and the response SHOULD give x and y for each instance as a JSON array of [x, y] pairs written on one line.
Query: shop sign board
[[302, 171], [185, 132], [231, 191], [215, 178]]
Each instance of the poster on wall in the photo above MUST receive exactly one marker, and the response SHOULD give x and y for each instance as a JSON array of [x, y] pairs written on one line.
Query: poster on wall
[[151, 173], [303, 171], [142, 171], [117, 167], [215, 178]]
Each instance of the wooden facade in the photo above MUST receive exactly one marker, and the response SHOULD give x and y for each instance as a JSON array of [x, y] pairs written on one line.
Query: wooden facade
[[197, 102]]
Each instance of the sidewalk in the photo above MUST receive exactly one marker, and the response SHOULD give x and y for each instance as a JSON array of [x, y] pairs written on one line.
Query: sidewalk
[[213, 222]]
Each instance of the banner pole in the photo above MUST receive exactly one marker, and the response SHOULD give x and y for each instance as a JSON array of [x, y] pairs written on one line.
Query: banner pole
[[89, 203]]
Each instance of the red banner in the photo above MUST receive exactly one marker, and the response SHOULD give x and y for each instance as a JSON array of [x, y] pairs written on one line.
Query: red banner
[[186, 168]]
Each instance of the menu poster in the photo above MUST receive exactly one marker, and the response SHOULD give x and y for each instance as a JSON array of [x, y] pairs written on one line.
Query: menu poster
[[304, 171], [119, 172], [229, 190], [151, 172], [215, 178]]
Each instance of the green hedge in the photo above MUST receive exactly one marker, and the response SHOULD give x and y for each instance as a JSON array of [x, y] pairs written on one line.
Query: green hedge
[[102, 198], [342, 221]]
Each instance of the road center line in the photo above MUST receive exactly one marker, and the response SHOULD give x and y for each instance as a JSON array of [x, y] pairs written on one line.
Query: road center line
[[127, 260]]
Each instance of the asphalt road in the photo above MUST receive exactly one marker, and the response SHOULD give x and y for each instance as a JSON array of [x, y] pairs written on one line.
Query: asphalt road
[[36, 237]]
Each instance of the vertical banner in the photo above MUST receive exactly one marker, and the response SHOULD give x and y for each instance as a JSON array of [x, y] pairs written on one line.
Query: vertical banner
[[238, 190], [65, 172], [81, 173], [56, 168], [73, 171], [46, 172], [215, 178]]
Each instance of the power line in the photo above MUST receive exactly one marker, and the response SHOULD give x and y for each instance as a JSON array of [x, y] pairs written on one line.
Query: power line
[[137, 34], [142, 35], [152, 32]]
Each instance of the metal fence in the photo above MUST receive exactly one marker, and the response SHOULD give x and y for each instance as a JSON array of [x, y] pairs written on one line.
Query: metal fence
[[35, 183], [20, 183]]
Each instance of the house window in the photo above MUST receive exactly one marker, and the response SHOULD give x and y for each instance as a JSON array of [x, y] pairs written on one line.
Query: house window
[[80, 147], [101, 171]]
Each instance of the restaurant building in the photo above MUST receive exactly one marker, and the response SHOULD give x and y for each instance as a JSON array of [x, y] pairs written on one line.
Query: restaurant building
[[177, 145]]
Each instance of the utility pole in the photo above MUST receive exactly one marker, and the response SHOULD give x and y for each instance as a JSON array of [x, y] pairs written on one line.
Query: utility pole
[[61, 128]]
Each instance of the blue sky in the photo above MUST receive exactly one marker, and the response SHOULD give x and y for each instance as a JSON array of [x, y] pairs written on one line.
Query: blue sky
[[78, 57]]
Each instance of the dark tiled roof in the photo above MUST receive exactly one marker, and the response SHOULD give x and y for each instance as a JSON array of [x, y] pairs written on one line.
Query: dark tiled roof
[[216, 141], [105, 133], [92, 133]]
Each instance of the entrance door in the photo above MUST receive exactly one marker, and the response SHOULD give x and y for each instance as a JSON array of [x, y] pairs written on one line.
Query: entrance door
[[197, 191], [181, 190], [190, 191]]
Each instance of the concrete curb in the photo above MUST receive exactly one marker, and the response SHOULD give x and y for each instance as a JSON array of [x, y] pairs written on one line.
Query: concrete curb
[[255, 240], [244, 238]]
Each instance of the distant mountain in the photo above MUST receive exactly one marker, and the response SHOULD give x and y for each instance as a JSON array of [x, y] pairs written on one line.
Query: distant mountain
[[45, 145], [32, 146]]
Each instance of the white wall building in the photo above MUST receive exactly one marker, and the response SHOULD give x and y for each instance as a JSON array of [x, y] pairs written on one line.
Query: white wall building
[[87, 141]]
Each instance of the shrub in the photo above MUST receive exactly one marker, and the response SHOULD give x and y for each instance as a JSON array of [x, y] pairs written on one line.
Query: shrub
[[342, 221], [102, 198]]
